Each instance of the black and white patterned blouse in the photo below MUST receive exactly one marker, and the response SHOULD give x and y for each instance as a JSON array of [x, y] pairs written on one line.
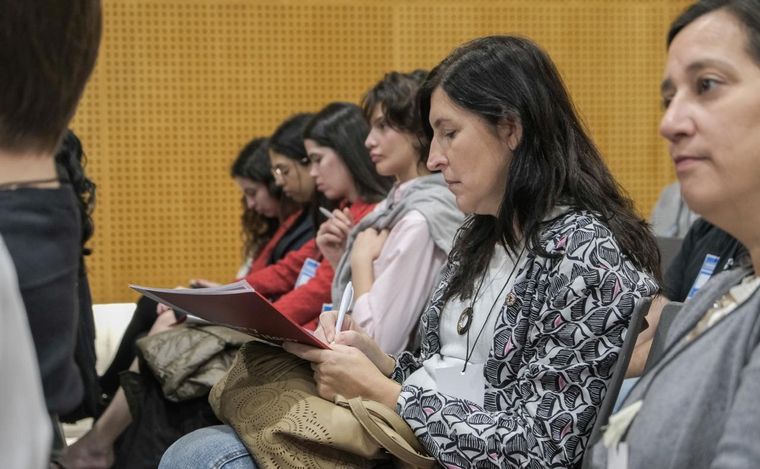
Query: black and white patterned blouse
[[553, 352]]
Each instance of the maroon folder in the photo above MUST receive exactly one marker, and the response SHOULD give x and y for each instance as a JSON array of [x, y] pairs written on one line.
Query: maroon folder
[[235, 305]]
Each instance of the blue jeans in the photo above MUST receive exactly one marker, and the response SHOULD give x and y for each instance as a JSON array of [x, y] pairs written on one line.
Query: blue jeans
[[208, 448]]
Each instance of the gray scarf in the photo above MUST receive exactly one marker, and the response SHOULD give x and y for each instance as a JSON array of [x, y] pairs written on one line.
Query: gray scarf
[[429, 196]]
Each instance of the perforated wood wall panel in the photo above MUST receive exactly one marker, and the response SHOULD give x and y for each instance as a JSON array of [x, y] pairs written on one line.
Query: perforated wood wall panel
[[180, 86]]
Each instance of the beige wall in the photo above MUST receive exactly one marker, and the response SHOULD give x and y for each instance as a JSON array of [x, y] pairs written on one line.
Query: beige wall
[[180, 86]]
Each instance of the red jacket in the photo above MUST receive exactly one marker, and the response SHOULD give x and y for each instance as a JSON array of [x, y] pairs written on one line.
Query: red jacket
[[304, 303]]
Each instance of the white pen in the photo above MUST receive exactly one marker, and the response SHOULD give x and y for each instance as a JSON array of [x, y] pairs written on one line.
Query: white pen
[[345, 304], [325, 212]]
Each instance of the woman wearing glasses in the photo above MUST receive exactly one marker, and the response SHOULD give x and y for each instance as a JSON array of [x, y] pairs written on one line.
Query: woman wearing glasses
[[290, 163]]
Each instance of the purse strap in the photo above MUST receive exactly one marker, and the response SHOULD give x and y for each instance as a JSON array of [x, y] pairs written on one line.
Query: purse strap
[[363, 410]]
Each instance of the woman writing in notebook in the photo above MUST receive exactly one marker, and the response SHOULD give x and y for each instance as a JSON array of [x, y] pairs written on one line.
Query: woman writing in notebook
[[272, 225]]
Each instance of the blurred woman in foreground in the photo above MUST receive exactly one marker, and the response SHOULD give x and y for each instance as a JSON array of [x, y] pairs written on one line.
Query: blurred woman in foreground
[[697, 407]]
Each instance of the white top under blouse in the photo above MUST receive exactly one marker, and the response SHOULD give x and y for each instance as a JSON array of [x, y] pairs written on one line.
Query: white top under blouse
[[496, 285]]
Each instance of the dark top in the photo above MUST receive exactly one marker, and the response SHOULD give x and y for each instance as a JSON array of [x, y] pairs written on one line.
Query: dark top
[[41, 228], [84, 354], [301, 231], [702, 239]]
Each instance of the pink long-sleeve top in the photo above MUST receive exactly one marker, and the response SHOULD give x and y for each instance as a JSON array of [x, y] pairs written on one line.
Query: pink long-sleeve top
[[405, 273]]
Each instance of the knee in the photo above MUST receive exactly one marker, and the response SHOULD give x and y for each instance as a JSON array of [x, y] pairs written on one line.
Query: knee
[[213, 447]]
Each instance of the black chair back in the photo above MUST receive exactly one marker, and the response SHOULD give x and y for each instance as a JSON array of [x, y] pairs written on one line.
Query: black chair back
[[618, 375], [669, 312]]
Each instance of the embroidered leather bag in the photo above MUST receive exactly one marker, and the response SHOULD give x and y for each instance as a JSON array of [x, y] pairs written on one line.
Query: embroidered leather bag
[[270, 399]]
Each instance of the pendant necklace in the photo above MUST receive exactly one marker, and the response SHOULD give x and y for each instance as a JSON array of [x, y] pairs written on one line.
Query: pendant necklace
[[465, 319]]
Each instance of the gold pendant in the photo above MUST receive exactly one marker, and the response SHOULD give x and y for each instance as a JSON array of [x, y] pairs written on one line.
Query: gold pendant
[[465, 319]]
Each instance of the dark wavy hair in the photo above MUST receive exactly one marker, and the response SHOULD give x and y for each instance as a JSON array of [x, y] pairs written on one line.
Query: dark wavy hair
[[746, 11], [506, 78], [396, 94], [70, 161], [252, 163], [342, 127]]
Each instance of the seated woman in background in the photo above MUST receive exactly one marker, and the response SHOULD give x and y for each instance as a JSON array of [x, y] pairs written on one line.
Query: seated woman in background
[[705, 245], [671, 217], [393, 256], [697, 406], [523, 332], [273, 223], [272, 226], [340, 168]]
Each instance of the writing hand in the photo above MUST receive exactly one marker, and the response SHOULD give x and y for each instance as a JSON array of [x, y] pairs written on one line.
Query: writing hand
[[326, 329], [354, 336], [346, 371]]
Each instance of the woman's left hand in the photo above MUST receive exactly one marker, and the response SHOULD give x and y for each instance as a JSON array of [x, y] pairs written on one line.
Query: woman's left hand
[[346, 371], [368, 245]]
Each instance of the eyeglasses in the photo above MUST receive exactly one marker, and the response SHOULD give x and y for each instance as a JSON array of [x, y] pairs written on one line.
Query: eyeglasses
[[282, 170]]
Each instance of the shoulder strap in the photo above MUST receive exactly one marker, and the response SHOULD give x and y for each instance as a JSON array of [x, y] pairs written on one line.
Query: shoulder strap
[[368, 412]]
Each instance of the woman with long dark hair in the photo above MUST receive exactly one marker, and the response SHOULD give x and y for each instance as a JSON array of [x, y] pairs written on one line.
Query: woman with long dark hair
[[70, 163], [523, 332], [271, 224]]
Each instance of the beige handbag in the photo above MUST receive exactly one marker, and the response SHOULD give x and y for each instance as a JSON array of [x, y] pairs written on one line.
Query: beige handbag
[[270, 399]]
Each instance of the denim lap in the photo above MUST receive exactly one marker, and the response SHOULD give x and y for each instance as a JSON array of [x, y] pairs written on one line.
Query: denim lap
[[208, 448]]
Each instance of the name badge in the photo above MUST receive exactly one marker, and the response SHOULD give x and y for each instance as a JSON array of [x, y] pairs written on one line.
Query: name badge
[[705, 272], [308, 271], [469, 385], [617, 456]]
